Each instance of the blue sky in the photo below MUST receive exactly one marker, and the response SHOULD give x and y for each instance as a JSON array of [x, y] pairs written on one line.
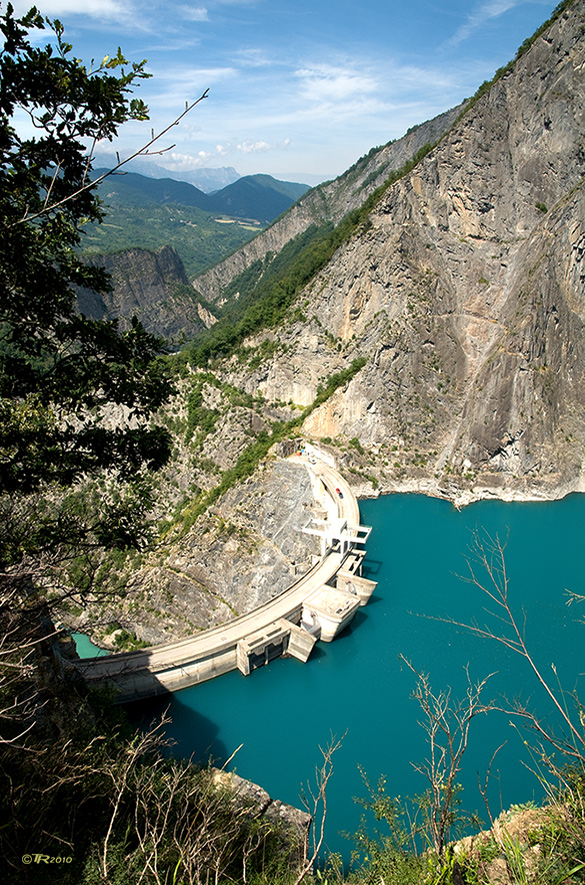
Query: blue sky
[[300, 89]]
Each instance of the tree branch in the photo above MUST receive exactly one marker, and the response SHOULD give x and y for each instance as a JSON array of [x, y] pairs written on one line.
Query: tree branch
[[318, 802], [142, 152]]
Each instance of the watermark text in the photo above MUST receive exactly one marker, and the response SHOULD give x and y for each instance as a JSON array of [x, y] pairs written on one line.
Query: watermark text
[[44, 858]]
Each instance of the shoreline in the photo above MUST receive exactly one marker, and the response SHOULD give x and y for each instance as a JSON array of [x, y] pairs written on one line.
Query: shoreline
[[461, 497], [496, 488]]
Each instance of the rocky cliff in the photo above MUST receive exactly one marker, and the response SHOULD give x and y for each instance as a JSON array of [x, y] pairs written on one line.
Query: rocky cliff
[[152, 286], [465, 289], [463, 293], [246, 550], [328, 202]]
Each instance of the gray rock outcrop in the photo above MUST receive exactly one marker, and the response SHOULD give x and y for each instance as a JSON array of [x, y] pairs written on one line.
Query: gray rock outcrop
[[466, 291], [292, 824], [328, 202], [153, 287], [247, 550]]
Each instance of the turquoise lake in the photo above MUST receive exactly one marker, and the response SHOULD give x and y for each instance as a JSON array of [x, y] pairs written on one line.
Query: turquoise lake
[[282, 713]]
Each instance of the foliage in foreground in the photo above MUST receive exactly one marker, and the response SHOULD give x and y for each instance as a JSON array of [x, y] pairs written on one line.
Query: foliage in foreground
[[115, 809], [77, 396], [76, 782], [61, 374], [108, 801], [525, 846]]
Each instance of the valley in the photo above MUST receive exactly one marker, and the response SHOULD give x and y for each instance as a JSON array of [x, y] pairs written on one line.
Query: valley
[[150, 213]]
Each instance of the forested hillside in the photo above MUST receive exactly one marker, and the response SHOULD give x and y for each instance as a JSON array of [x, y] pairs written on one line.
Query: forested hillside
[[149, 213], [461, 283]]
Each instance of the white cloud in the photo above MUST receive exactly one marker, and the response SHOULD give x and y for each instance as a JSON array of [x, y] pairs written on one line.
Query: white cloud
[[330, 83], [489, 10], [182, 76], [254, 58], [184, 162], [172, 86], [100, 9], [194, 13], [261, 147]]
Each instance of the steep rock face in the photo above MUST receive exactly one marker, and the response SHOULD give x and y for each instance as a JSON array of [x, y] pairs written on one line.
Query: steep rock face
[[328, 202], [151, 286], [248, 549], [466, 292]]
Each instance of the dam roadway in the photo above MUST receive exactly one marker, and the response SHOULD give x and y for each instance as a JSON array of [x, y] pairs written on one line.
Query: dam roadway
[[269, 630]]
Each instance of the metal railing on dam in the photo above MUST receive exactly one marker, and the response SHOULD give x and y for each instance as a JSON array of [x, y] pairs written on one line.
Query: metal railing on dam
[[320, 607]]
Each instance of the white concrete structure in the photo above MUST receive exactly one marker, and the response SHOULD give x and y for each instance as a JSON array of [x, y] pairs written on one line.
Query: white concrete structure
[[314, 605], [337, 533]]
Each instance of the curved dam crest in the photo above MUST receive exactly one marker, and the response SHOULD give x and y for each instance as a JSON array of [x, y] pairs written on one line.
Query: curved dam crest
[[316, 607]]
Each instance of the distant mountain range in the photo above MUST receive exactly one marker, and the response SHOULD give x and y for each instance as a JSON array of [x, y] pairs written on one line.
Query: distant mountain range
[[258, 198], [207, 180]]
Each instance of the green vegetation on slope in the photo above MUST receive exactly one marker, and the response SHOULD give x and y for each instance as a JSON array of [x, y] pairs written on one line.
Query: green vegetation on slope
[[268, 288], [522, 50], [260, 197], [148, 213], [256, 451], [200, 239], [73, 776]]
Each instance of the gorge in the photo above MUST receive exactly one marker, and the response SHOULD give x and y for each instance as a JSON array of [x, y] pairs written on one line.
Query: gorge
[[418, 323], [463, 298]]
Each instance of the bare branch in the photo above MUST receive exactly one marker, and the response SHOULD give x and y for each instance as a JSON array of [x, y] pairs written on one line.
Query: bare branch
[[483, 787], [317, 808], [50, 188], [488, 553], [447, 726], [144, 151]]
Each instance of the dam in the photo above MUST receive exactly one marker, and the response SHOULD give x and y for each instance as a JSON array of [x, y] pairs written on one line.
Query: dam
[[317, 607]]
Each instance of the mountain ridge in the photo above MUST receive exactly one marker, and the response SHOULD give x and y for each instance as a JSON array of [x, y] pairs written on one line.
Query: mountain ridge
[[440, 349], [465, 288], [260, 198], [207, 179], [326, 203]]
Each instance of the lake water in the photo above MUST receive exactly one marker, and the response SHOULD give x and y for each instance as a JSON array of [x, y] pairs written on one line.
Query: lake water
[[86, 648], [358, 684]]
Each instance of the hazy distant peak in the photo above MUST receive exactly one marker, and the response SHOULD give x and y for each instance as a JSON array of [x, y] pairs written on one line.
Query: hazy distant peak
[[207, 180]]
